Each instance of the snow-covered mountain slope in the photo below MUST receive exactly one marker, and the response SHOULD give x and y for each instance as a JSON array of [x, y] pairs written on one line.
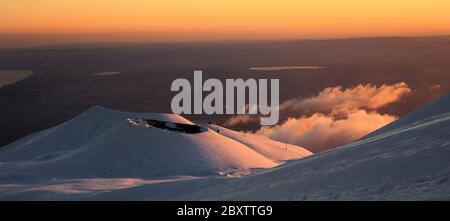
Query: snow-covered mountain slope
[[441, 106], [274, 150], [74, 133], [408, 160], [102, 143]]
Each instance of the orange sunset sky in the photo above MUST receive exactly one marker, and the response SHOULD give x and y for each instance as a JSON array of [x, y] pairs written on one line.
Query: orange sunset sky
[[180, 20]]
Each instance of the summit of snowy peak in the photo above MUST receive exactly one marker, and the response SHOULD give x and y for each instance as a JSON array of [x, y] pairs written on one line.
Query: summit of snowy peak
[[123, 115]]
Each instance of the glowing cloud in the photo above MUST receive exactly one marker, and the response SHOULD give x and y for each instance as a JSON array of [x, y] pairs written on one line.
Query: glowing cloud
[[320, 132], [240, 120], [333, 117], [336, 99]]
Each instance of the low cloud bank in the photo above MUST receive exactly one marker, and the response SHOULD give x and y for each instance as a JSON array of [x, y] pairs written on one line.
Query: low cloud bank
[[333, 117], [320, 132]]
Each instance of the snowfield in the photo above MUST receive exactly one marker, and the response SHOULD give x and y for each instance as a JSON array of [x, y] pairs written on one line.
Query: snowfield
[[406, 160], [99, 155], [104, 144]]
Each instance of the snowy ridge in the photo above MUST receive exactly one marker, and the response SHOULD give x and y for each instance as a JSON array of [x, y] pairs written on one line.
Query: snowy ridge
[[265, 146], [435, 109]]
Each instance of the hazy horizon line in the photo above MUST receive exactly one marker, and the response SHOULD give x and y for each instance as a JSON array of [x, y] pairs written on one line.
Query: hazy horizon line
[[10, 41]]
